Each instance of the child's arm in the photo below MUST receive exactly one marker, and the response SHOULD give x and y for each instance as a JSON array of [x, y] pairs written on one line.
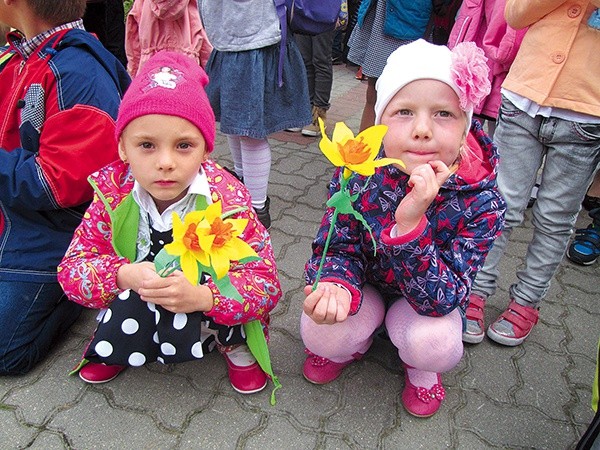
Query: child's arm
[[523, 13], [436, 277], [257, 281], [345, 262]]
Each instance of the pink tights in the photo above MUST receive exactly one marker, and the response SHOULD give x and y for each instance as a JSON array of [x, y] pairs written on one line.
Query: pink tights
[[429, 345]]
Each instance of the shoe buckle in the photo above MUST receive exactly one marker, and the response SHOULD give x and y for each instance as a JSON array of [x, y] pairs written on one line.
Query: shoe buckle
[[437, 391]]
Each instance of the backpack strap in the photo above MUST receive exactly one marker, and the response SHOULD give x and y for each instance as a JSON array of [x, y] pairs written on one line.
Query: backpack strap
[[281, 9]]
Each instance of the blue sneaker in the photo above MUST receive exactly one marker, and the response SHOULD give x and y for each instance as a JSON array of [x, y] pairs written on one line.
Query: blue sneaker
[[585, 248]]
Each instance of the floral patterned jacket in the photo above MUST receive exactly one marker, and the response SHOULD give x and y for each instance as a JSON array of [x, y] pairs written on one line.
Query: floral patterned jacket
[[433, 266], [88, 271]]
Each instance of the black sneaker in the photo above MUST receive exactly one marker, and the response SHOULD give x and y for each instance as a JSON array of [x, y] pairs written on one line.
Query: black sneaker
[[263, 214]]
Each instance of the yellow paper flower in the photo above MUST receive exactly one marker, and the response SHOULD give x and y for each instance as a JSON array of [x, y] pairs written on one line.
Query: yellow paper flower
[[205, 238], [357, 154]]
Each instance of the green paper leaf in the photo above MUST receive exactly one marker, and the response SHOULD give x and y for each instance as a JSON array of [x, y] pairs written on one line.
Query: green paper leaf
[[166, 264], [255, 336]]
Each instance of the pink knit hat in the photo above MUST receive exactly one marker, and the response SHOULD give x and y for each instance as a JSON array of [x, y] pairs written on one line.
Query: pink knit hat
[[173, 84]]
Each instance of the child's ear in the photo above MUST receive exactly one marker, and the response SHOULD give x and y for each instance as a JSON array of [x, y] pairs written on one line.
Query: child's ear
[[122, 154]]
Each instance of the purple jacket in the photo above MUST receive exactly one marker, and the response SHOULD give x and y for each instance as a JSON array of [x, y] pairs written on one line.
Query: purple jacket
[[434, 266]]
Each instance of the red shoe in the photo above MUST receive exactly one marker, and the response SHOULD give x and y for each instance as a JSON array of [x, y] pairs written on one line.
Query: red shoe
[[319, 370], [514, 324], [474, 332], [245, 375], [96, 373], [419, 401]]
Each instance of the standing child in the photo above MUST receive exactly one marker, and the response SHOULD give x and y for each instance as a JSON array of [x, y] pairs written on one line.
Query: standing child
[[551, 108], [434, 222], [251, 94], [382, 27], [166, 131], [155, 25]]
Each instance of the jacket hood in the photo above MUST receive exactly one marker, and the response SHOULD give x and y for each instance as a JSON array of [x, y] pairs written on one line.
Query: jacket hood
[[91, 45], [479, 165]]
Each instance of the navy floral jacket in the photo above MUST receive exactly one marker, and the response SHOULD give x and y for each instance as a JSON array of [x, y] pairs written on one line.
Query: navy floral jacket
[[433, 266]]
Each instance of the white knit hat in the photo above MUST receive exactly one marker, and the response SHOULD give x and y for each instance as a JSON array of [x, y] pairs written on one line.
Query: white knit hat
[[464, 69]]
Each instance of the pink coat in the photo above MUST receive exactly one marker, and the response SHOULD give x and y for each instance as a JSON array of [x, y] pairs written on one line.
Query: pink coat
[[482, 22], [154, 25]]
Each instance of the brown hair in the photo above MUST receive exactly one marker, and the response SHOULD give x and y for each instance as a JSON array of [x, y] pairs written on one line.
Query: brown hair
[[58, 12]]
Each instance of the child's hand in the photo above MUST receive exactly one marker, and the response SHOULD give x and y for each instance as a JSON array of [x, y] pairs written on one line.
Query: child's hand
[[131, 276], [328, 304], [176, 294], [425, 181]]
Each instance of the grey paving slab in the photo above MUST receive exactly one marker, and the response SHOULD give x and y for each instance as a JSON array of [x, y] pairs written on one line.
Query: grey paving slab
[[533, 396]]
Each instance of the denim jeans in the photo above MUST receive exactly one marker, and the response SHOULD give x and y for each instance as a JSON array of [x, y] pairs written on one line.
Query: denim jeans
[[572, 152], [32, 315], [316, 52]]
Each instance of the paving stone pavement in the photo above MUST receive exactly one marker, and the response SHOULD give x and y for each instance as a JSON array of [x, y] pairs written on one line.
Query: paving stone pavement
[[536, 395]]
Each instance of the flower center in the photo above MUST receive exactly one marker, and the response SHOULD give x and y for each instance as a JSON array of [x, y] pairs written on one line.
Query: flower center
[[190, 239], [222, 232], [354, 151]]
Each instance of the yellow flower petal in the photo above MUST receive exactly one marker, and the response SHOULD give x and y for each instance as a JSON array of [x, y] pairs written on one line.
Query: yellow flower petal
[[189, 267], [238, 249], [373, 137], [220, 263], [341, 133], [213, 211]]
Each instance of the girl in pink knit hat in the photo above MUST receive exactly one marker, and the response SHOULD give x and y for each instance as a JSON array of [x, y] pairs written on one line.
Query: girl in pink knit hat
[[166, 132]]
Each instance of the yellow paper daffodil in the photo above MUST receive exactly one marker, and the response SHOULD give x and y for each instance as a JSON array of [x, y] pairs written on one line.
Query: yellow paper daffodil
[[186, 244], [208, 239], [355, 154]]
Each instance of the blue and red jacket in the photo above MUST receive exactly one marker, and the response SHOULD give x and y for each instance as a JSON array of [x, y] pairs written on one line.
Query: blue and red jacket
[[433, 266], [57, 117]]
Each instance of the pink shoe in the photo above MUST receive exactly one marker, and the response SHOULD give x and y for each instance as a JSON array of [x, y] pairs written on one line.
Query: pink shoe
[[419, 401], [514, 324], [475, 332], [245, 375], [96, 373], [319, 370]]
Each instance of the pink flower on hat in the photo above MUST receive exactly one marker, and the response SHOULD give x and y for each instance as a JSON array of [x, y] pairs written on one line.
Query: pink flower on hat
[[469, 73]]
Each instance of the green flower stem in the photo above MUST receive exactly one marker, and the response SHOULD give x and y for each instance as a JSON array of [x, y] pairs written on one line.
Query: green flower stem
[[343, 185]]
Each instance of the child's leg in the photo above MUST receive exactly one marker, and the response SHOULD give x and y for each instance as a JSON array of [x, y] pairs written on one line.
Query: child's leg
[[256, 160], [338, 342], [430, 345], [236, 154]]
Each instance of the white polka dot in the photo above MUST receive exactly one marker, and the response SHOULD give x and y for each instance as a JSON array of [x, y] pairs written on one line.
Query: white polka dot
[[160, 359], [156, 316], [167, 349], [155, 337], [107, 316], [161, 242], [130, 326], [179, 321], [125, 294], [197, 350], [104, 348], [151, 306], [136, 359], [152, 254]]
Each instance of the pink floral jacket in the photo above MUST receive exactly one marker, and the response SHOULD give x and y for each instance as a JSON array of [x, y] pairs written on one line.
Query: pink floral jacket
[[88, 271]]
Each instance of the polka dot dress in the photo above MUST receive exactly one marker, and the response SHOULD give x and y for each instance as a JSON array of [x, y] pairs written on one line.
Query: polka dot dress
[[133, 332]]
